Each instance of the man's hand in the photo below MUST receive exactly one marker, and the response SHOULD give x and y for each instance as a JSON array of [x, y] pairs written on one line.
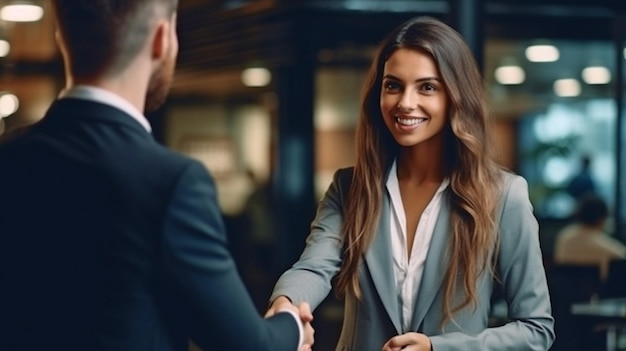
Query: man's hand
[[282, 303], [408, 342]]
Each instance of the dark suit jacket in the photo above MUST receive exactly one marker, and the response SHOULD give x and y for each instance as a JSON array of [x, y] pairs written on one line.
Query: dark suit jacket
[[110, 241]]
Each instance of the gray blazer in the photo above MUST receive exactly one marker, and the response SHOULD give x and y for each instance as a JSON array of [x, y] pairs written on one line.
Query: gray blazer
[[375, 318]]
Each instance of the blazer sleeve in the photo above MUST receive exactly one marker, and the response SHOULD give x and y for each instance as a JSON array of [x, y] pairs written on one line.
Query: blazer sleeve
[[520, 266], [309, 279], [197, 260]]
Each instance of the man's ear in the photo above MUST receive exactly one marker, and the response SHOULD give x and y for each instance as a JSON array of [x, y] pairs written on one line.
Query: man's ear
[[160, 40]]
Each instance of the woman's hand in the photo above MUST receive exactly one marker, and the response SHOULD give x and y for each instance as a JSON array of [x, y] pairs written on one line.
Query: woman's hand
[[408, 342], [280, 303]]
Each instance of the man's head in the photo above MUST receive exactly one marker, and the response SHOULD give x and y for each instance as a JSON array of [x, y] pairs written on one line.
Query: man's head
[[592, 210], [101, 38]]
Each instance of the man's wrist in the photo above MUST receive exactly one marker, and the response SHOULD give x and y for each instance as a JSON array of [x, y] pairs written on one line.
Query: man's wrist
[[299, 324]]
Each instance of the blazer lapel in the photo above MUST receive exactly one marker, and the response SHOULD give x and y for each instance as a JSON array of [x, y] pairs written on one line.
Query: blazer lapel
[[434, 267], [379, 262]]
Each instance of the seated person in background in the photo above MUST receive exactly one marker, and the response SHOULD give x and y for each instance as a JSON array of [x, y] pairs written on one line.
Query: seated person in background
[[585, 241]]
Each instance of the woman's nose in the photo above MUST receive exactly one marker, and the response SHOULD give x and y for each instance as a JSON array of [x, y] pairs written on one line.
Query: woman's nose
[[407, 102]]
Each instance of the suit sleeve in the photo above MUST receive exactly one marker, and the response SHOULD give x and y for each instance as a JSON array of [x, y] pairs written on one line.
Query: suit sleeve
[[196, 257], [309, 279], [520, 267]]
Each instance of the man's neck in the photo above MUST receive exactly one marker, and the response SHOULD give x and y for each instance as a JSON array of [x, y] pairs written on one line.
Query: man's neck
[[130, 84]]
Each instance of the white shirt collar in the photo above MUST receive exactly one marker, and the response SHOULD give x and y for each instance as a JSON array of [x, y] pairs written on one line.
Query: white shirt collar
[[91, 93]]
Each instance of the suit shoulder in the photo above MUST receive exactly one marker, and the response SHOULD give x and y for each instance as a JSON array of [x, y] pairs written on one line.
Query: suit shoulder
[[342, 180], [514, 195], [512, 182], [166, 154], [15, 135], [160, 162], [344, 175], [508, 178]]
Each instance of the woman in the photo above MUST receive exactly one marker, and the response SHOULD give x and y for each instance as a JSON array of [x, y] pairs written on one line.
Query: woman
[[416, 234]]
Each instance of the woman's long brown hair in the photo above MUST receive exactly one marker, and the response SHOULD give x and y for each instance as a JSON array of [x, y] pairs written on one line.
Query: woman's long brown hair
[[473, 173]]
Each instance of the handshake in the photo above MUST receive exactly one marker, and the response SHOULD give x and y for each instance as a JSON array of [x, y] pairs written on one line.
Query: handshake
[[282, 304], [408, 341]]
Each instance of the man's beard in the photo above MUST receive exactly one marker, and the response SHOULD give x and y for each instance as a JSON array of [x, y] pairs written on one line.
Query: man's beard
[[159, 85]]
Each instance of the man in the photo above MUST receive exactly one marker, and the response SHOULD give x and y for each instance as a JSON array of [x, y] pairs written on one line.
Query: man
[[585, 241], [109, 241]]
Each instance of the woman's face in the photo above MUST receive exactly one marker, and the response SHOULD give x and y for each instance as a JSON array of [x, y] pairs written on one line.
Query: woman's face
[[413, 100]]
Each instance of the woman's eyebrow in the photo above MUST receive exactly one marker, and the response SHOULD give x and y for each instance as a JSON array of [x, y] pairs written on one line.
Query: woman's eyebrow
[[419, 80]]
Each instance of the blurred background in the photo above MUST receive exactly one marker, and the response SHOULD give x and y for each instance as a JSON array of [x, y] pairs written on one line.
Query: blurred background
[[266, 95]]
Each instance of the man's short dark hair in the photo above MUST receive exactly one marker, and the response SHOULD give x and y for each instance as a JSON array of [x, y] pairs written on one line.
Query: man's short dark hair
[[104, 35], [591, 210]]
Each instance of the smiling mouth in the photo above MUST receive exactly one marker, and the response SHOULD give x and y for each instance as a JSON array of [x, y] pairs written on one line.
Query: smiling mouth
[[410, 121]]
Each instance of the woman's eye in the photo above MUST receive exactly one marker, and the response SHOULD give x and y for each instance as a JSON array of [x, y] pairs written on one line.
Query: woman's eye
[[428, 87], [391, 86]]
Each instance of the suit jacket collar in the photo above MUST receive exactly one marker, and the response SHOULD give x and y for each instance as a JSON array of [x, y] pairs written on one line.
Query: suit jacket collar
[[96, 94], [379, 263], [71, 110], [435, 265]]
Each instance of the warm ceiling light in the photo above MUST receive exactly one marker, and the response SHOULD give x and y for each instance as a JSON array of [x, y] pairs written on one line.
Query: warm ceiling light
[[8, 104], [542, 53], [256, 77], [21, 11], [596, 75], [5, 47], [510, 75], [568, 87]]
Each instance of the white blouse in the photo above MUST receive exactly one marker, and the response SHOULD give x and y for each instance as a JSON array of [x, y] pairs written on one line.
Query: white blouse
[[408, 273]]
